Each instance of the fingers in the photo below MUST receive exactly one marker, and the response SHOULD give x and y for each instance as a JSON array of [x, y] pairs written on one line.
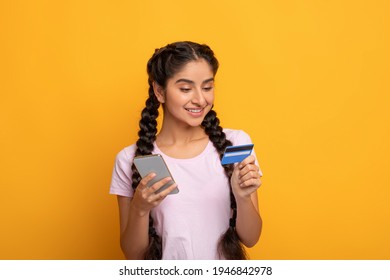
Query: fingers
[[169, 189], [247, 160], [143, 184], [149, 193], [156, 186], [249, 173], [163, 194], [248, 165], [252, 182], [145, 197]]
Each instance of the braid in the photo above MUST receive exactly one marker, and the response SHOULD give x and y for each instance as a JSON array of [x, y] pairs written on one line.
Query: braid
[[147, 136], [229, 245], [154, 250]]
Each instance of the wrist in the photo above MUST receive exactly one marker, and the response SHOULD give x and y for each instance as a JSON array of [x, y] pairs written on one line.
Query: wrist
[[243, 200], [137, 211]]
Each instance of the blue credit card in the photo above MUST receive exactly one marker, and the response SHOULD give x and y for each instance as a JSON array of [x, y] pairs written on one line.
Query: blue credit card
[[235, 154]]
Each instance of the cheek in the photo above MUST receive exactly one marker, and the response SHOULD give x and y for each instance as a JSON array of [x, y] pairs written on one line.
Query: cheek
[[174, 99], [210, 98]]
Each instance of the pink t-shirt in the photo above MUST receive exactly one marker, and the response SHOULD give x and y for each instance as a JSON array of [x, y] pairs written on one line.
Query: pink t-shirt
[[192, 221]]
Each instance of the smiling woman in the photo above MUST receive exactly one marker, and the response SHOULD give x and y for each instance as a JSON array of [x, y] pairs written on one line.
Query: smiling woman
[[215, 212], [194, 95]]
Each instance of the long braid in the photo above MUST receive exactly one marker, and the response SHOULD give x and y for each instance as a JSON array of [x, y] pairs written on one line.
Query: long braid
[[229, 245], [159, 73], [147, 135]]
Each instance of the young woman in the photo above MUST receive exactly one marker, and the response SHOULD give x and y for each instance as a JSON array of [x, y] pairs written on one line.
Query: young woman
[[215, 212]]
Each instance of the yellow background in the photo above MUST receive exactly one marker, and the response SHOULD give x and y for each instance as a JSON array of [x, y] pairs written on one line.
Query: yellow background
[[307, 79]]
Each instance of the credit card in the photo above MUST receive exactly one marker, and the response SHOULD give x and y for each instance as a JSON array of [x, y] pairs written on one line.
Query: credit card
[[235, 154]]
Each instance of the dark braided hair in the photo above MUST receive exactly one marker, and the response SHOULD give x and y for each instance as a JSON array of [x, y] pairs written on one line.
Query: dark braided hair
[[164, 63], [229, 245]]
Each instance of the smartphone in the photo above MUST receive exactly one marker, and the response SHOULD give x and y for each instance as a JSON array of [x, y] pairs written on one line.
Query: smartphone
[[156, 164]]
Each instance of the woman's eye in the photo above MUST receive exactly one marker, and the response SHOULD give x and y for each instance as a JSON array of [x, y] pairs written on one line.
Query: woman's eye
[[185, 89], [207, 88]]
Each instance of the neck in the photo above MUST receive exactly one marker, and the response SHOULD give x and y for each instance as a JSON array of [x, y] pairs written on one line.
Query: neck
[[179, 134]]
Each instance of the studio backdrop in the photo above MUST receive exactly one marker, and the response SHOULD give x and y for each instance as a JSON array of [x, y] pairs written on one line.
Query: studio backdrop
[[307, 79]]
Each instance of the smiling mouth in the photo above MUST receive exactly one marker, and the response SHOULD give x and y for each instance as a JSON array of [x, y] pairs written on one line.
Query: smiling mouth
[[195, 110]]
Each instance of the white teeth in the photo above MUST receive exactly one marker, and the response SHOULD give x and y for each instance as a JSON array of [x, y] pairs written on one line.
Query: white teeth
[[194, 111]]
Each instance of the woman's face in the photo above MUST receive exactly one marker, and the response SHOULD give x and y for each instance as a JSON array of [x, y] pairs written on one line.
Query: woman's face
[[189, 94]]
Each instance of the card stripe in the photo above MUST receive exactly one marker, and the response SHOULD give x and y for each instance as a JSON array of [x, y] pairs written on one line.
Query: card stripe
[[239, 148], [233, 154]]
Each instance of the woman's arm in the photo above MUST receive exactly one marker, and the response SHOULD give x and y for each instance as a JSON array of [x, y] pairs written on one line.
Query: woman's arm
[[134, 216], [248, 223], [134, 227], [245, 182]]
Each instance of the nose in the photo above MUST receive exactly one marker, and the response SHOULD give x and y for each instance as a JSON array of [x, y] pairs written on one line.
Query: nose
[[198, 98]]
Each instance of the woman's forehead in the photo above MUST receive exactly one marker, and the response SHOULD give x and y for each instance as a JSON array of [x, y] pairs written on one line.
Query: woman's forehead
[[196, 71]]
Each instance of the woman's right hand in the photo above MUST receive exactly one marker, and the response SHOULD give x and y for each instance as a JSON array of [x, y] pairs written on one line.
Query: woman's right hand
[[145, 198]]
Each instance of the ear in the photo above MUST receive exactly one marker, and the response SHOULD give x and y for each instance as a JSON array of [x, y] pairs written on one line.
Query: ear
[[159, 92]]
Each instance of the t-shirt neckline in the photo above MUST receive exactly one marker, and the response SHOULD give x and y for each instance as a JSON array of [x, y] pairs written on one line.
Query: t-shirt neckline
[[205, 151]]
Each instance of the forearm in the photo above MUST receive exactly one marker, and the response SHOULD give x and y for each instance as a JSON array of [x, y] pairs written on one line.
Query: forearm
[[135, 237], [248, 223]]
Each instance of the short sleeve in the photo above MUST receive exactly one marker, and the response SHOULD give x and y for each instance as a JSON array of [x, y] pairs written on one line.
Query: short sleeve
[[121, 175], [240, 137]]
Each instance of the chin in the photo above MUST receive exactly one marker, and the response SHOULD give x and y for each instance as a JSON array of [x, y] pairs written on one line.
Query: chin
[[195, 124]]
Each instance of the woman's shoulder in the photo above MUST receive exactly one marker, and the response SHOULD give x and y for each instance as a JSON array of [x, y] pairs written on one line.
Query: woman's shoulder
[[237, 136], [121, 175], [127, 153]]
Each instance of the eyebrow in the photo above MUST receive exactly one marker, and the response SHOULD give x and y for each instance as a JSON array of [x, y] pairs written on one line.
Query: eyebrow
[[192, 82]]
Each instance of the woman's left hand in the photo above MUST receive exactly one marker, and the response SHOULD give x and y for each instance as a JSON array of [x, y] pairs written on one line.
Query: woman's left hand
[[246, 178]]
